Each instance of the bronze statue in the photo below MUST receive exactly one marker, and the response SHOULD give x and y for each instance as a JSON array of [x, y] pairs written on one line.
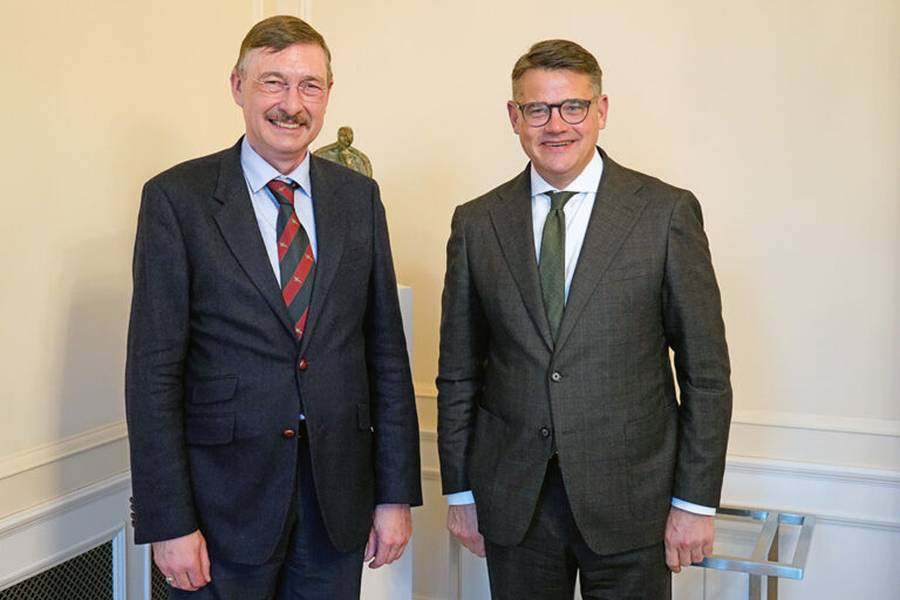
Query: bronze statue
[[342, 153]]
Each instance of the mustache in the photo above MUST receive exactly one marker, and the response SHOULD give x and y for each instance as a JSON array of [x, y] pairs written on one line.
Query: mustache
[[283, 117]]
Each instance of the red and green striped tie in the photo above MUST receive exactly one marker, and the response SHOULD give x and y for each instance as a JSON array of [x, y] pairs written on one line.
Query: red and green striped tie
[[295, 256]]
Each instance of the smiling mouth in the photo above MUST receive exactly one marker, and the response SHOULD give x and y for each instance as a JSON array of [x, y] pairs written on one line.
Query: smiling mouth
[[285, 124], [556, 144], [283, 120]]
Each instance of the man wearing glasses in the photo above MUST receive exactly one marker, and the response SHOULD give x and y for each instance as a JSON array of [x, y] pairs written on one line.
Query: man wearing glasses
[[560, 437], [273, 432]]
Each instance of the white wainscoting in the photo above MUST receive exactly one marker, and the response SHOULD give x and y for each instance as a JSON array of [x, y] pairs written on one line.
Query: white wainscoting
[[856, 544], [854, 553], [41, 537], [44, 536]]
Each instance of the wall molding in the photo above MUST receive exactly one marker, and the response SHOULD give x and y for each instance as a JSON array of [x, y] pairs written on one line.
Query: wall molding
[[431, 473], [55, 531], [814, 422], [769, 467], [804, 470], [59, 506], [32, 458], [779, 419]]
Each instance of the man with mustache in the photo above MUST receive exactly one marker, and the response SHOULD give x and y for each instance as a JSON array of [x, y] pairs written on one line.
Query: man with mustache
[[562, 445], [273, 431]]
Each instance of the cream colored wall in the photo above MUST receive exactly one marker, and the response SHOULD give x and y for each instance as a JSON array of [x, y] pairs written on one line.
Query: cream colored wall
[[97, 97], [781, 116]]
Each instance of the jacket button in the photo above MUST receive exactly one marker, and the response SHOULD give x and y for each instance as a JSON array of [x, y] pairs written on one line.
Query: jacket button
[[288, 434], [303, 364], [555, 376], [545, 433]]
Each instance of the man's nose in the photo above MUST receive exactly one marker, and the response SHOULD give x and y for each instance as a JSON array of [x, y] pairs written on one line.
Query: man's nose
[[556, 122], [292, 100]]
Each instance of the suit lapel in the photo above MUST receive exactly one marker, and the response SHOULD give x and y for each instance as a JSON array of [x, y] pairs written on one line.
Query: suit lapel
[[239, 227], [512, 221], [616, 210], [330, 229]]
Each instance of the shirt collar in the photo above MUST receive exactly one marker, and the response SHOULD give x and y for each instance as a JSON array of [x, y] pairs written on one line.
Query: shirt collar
[[258, 172], [587, 181]]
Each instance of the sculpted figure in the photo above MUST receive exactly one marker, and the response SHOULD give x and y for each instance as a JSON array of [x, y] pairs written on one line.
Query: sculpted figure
[[343, 153]]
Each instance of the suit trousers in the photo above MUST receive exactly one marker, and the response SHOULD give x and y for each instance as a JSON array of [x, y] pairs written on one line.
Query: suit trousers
[[544, 565], [306, 566]]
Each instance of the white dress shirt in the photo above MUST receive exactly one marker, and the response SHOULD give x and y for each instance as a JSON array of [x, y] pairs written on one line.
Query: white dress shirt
[[578, 214], [257, 173]]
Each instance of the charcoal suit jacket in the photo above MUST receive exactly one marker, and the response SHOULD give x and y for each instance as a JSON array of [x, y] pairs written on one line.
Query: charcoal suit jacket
[[215, 375], [603, 396]]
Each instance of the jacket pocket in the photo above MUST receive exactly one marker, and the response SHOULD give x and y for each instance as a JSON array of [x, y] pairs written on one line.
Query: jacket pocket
[[210, 391], [635, 270], [209, 430]]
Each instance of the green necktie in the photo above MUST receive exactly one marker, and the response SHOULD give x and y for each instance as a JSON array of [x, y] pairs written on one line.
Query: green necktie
[[552, 264]]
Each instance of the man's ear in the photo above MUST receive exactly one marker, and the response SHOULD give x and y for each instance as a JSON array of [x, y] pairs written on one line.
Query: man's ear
[[514, 116], [602, 110], [237, 86]]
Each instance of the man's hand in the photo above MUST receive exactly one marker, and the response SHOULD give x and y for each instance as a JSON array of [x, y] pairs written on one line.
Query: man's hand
[[183, 561], [462, 521], [391, 530], [689, 537]]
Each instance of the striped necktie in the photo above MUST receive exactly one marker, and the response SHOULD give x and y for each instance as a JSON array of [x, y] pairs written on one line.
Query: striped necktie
[[295, 256]]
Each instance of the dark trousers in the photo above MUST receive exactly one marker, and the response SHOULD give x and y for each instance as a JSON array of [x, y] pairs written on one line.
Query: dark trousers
[[306, 565], [544, 565]]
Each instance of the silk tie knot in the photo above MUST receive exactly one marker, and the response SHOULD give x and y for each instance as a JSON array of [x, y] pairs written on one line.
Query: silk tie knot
[[558, 199], [283, 190]]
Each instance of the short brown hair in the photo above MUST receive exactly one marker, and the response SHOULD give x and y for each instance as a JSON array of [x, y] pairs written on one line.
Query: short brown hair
[[555, 55], [277, 33]]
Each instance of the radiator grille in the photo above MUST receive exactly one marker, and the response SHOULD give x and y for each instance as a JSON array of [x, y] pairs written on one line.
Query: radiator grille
[[88, 576], [159, 589]]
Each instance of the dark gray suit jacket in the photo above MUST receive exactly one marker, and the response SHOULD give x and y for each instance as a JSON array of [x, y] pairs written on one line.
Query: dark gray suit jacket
[[605, 394], [214, 374]]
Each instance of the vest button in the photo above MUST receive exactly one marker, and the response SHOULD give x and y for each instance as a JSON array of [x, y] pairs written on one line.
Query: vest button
[[545, 433], [556, 377]]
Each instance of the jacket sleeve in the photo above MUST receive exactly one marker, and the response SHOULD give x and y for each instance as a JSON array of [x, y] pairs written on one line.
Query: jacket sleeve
[[692, 313], [154, 393], [463, 350], [397, 462]]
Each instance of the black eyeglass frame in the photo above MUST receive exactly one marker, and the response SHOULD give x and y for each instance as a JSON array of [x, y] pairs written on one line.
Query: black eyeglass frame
[[581, 102]]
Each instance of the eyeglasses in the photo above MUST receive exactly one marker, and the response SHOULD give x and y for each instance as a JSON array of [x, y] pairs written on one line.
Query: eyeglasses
[[573, 111], [311, 90]]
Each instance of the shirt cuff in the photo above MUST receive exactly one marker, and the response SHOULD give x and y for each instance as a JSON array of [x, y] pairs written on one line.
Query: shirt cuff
[[697, 509], [459, 498]]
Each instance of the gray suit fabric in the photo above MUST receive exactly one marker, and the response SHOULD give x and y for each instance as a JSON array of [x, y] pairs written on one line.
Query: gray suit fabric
[[604, 394], [212, 377]]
